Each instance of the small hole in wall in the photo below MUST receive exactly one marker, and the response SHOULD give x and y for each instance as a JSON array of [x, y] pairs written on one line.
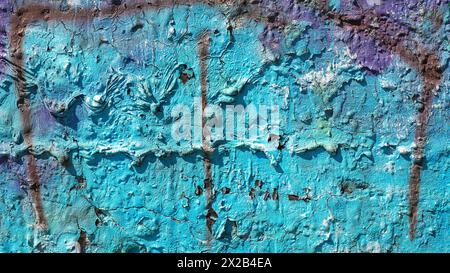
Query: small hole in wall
[[137, 27]]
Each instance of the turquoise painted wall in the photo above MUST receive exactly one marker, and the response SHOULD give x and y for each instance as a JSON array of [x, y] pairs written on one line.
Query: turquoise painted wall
[[99, 153]]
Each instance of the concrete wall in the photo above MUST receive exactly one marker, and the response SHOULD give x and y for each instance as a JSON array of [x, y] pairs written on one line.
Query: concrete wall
[[89, 96]]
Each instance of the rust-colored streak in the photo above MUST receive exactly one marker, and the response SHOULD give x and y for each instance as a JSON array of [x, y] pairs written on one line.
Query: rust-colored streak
[[420, 141], [23, 103], [35, 186], [203, 52]]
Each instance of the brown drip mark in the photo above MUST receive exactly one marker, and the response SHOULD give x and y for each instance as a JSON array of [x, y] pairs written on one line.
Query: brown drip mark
[[23, 103], [82, 241], [426, 63], [203, 52]]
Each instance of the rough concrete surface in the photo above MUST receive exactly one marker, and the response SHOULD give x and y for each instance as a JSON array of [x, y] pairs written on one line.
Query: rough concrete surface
[[89, 162]]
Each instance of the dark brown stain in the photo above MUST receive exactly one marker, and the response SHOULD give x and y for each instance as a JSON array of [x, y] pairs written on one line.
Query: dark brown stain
[[82, 241], [425, 62], [294, 197], [35, 192], [275, 194], [184, 77], [258, 183]]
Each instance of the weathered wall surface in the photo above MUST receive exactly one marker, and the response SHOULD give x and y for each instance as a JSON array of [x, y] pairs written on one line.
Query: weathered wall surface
[[88, 162]]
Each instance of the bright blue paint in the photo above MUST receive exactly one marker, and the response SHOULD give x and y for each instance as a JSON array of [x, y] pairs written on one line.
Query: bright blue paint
[[144, 182]]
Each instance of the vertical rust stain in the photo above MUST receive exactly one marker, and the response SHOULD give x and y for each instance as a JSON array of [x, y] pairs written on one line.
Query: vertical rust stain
[[203, 51], [420, 139], [19, 24], [82, 241]]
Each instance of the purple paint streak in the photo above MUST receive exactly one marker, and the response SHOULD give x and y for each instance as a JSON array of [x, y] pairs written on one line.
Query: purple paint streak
[[369, 53]]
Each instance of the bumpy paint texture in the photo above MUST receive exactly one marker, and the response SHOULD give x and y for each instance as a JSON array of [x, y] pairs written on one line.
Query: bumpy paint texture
[[88, 163]]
